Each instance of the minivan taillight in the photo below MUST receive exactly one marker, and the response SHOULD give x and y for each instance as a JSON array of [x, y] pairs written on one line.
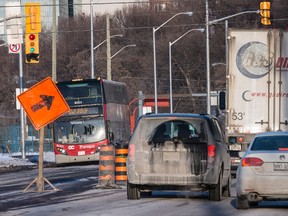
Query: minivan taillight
[[211, 150], [251, 161], [131, 151]]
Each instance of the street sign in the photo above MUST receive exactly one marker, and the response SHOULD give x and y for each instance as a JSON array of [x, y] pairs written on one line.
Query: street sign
[[14, 48], [43, 103]]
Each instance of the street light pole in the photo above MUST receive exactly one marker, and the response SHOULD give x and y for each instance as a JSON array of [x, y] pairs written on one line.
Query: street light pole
[[22, 114], [170, 64], [92, 43], [131, 45], [154, 56], [208, 103], [118, 35], [54, 42]]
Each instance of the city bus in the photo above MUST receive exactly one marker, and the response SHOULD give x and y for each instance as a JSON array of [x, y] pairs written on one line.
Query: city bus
[[99, 110]]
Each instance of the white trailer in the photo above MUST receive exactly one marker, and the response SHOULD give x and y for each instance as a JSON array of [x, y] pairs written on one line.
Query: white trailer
[[257, 84]]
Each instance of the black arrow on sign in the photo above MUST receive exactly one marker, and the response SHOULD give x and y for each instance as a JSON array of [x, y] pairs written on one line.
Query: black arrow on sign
[[46, 101]]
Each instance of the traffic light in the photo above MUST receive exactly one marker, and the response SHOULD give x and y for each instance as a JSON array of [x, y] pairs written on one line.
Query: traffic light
[[33, 27], [32, 48], [265, 13], [33, 17]]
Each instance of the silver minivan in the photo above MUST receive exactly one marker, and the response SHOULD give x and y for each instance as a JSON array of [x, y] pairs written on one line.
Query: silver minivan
[[178, 152]]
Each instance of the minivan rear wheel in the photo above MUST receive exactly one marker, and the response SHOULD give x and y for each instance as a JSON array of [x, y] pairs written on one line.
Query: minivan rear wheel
[[133, 192], [227, 188], [215, 193]]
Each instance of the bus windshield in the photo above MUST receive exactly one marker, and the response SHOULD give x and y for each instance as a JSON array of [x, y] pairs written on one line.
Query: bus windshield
[[79, 131]]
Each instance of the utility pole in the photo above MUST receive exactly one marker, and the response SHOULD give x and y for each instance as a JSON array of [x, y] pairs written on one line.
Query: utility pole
[[108, 47], [208, 23]]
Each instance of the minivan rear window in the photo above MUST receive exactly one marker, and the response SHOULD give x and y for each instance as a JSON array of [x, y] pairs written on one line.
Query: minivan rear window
[[163, 129]]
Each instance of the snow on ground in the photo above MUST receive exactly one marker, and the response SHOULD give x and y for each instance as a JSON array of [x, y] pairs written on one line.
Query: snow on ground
[[15, 159]]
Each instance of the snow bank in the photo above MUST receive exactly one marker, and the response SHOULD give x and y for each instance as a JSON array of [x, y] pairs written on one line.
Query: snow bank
[[7, 160]]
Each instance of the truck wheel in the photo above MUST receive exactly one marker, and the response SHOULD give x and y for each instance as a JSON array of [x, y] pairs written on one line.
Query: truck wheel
[[242, 203], [133, 193], [227, 188], [215, 193]]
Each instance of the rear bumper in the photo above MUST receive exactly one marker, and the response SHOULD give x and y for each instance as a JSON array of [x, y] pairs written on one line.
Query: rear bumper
[[62, 159], [173, 181], [264, 185]]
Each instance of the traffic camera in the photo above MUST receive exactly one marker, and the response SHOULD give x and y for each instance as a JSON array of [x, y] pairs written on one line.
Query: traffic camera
[[265, 13]]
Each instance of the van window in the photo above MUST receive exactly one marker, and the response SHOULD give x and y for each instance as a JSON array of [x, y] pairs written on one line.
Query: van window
[[162, 129]]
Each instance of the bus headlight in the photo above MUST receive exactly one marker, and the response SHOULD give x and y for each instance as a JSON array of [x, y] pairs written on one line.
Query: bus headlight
[[61, 150]]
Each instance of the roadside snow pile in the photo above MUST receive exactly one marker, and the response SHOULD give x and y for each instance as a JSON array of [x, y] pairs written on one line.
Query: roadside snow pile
[[7, 160]]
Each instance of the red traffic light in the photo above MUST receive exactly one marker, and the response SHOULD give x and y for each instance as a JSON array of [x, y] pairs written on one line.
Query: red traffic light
[[32, 36]]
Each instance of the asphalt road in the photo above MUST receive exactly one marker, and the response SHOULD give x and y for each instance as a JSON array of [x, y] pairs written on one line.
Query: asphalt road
[[78, 196]]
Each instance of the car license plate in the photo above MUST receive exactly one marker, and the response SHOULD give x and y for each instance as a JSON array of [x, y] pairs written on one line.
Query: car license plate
[[235, 147], [81, 153], [280, 166], [171, 156]]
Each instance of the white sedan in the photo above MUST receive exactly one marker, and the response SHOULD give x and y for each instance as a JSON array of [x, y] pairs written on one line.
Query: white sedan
[[263, 170]]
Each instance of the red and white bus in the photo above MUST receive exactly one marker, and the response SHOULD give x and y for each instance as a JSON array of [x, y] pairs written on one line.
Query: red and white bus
[[99, 108]]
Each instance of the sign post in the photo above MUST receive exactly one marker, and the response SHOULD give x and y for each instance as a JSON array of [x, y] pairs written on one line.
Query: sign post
[[43, 103]]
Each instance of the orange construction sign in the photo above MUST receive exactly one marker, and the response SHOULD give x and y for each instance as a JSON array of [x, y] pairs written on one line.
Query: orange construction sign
[[43, 103]]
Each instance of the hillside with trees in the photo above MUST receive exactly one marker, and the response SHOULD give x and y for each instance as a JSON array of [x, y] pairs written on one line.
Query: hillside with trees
[[134, 65]]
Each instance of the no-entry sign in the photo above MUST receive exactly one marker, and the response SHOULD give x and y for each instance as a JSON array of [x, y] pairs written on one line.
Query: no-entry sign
[[43, 103]]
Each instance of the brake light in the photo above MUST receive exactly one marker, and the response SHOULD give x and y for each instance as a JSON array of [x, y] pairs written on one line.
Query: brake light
[[250, 161], [211, 150], [235, 139], [240, 139]]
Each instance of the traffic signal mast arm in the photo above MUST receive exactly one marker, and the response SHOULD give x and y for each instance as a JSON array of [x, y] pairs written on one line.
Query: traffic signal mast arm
[[233, 15], [10, 18]]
